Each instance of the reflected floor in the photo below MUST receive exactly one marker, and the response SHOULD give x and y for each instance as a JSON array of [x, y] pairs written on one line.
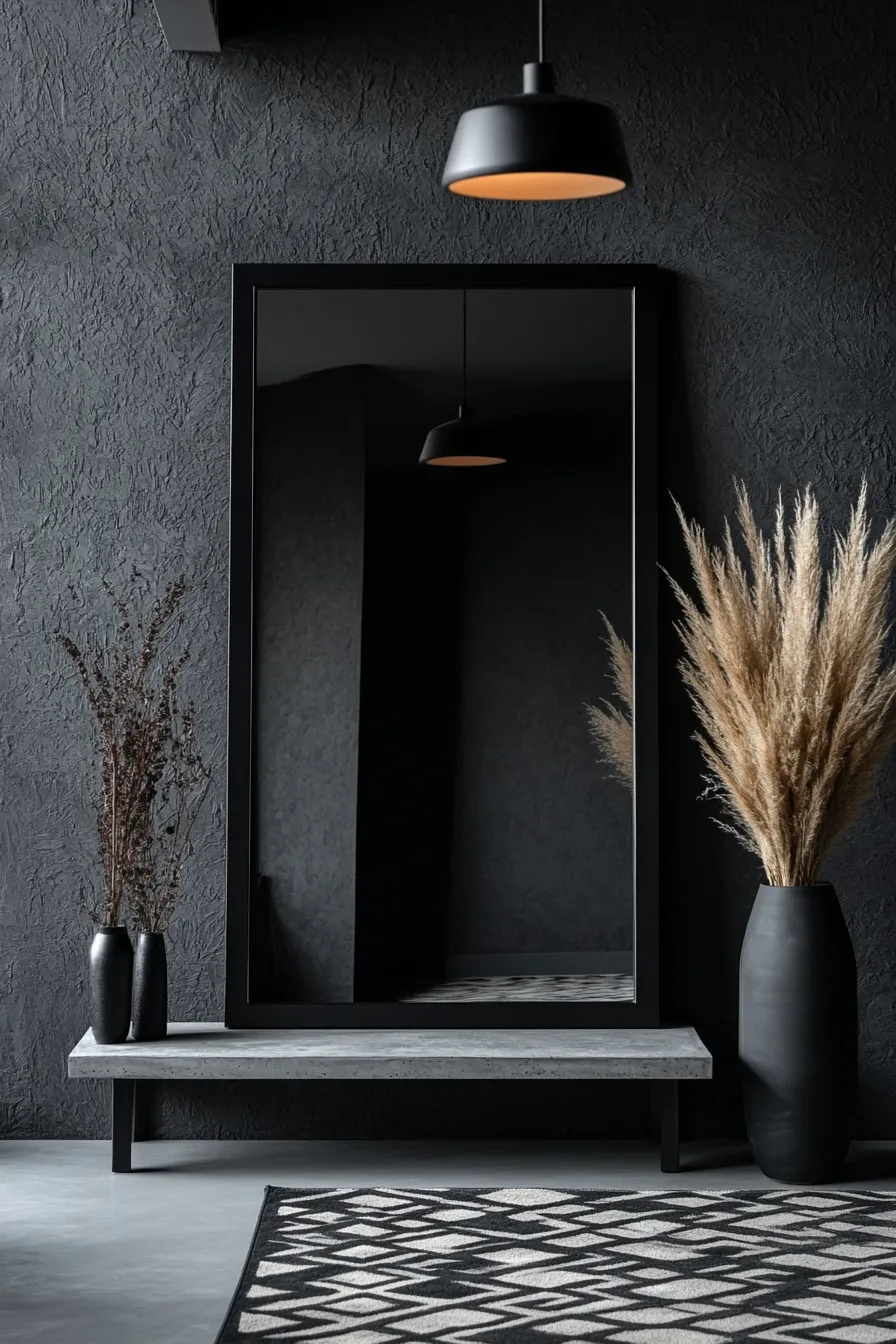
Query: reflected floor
[[597, 988]]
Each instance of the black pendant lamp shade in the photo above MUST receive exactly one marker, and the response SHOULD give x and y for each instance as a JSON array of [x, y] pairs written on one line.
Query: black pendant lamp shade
[[457, 443], [460, 442], [538, 145]]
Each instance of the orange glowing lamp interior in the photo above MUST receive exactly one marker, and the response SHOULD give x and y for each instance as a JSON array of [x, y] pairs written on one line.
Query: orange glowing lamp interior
[[473, 460], [536, 186]]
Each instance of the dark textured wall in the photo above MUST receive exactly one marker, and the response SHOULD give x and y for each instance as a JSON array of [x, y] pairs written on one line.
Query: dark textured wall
[[543, 847], [761, 133]]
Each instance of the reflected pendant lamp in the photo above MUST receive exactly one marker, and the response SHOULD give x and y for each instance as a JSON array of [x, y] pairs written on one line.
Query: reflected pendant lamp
[[538, 145], [458, 443]]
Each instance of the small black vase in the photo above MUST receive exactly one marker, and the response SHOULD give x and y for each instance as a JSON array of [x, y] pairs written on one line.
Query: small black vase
[[798, 1033], [111, 975], [150, 988]]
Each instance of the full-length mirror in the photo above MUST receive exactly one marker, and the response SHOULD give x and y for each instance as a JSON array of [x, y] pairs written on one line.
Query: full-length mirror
[[441, 684]]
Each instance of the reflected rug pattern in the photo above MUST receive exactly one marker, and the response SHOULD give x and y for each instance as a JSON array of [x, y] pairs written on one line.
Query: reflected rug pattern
[[535, 1266], [608, 987]]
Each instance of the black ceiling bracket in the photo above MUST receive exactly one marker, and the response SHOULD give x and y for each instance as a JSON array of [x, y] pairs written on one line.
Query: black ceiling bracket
[[189, 25]]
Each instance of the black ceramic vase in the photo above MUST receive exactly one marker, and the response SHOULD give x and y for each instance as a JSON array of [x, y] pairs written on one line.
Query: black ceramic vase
[[111, 975], [150, 988], [798, 1033]]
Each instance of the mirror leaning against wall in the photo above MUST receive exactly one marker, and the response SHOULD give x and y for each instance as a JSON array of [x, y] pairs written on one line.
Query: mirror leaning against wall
[[440, 818]]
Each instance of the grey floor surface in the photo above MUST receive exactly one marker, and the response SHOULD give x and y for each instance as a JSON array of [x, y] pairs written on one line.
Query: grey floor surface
[[153, 1257]]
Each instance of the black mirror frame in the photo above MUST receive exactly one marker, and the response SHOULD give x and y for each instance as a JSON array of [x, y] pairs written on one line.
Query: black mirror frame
[[644, 1009]]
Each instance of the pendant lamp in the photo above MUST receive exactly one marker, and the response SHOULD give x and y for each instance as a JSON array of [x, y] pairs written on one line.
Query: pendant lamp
[[538, 145], [458, 443]]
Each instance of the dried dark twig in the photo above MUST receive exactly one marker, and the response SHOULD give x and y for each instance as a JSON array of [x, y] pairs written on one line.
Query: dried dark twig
[[148, 754]]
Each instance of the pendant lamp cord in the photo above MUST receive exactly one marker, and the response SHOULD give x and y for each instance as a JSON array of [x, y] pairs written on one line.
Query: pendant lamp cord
[[541, 31], [464, 390]]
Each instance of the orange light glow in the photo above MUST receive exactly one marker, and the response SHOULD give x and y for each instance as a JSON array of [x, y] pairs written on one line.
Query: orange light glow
[[536, 186], [472, 461]]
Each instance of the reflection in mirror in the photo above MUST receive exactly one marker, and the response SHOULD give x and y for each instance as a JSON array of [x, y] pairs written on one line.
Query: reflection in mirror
[[442, 667]]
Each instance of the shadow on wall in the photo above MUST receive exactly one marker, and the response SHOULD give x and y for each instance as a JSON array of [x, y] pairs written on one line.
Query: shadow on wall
[[705, 883], [275, 21]]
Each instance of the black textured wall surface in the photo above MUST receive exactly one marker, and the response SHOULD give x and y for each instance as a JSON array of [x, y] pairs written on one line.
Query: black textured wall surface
[[761, 134], [543, 831]]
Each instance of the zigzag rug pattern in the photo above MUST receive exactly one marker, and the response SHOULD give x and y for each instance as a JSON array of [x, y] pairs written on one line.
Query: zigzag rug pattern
[[604, 987], [544, 1266]]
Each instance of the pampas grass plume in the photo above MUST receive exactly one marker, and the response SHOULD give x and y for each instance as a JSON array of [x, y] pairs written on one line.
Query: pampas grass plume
[[785, 667]]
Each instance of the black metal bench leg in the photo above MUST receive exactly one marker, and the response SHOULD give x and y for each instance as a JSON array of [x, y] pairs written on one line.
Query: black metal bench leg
[[142, 1110], [667, 1105], [123, 1098], [664, 1112]]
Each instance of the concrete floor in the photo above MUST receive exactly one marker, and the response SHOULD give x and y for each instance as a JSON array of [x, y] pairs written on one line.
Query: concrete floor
[[153, 1257]]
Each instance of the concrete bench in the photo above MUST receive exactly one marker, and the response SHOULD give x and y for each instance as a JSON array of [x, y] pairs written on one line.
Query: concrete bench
[[205, 1050]]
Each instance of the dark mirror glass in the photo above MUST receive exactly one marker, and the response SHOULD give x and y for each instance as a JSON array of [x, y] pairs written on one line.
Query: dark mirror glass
[[438, 815]]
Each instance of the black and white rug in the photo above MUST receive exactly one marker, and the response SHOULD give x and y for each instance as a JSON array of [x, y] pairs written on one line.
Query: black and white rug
[[596, 987], [572, 1266]]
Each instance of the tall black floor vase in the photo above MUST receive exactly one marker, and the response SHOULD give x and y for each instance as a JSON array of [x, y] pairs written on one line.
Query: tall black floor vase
[[150, 988], [111, 975], [798, 1033]]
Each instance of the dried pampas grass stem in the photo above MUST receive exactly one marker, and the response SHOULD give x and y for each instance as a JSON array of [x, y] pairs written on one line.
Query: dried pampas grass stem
[[611, 728], [785, 668]]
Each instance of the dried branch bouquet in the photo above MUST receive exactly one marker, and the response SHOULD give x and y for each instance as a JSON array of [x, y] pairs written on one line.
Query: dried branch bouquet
[[611, 728], [153, 780], [786, 670], [167, 835]]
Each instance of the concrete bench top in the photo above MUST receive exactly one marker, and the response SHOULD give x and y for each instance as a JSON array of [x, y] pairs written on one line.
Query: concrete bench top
[[209, 1050]]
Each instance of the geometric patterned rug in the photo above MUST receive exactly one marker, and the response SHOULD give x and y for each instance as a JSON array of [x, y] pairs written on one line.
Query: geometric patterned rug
[[568, 1267], [605, 987]]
